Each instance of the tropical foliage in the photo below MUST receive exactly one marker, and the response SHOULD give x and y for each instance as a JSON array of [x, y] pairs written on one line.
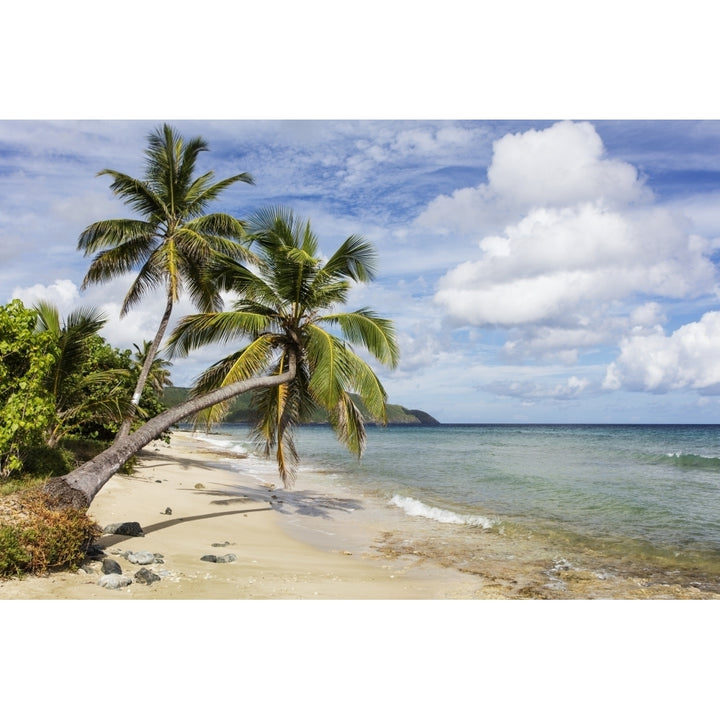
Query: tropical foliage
[[288, 304], [60, 381], [26, 360], [85, 388], [174, 239]]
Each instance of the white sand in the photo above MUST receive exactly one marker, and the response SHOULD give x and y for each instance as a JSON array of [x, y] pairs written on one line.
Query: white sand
[[270, 563]]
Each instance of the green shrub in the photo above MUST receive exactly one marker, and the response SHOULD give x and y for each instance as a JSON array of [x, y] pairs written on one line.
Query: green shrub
[[44, 461], [36, 535]]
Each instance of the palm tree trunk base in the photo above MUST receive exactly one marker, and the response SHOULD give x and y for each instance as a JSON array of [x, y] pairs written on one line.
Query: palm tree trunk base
[[64, 495]]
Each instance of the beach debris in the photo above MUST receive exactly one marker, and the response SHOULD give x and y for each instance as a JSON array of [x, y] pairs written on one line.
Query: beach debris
[[230, 557], [114, 582], [146, 576], [167, 511], [131, 529], [222, 544], [111, 567]]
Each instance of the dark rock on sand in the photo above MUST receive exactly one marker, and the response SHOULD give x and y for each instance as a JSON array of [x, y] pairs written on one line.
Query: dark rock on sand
[[131, 529], [146, 576], [111, 567], [95, 552]]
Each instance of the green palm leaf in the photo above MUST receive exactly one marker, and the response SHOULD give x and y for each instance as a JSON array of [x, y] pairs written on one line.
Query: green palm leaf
[[282, 294]]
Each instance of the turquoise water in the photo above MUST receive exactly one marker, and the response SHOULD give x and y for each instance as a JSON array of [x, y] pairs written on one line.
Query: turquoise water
[[632, 493]]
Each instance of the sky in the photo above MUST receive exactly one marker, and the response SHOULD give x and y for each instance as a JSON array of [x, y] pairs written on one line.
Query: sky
[[555, 270], [540, 181]]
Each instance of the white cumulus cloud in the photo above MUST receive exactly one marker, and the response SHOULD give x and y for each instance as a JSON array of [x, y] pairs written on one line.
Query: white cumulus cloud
[[583, 254], [689, 358]]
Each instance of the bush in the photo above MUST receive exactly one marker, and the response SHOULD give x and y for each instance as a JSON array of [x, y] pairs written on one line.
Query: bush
[[44, 461], [36, 535]]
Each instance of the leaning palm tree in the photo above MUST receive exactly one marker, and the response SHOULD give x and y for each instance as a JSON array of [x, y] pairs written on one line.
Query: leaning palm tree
[[172, 241], [288, 359], [288, 304]]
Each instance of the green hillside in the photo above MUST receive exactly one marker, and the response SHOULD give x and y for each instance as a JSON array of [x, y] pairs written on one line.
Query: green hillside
[[240, 411]]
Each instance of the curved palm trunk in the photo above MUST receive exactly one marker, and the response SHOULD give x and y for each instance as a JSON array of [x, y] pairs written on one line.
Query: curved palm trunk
[[79, 487], [145, 372]]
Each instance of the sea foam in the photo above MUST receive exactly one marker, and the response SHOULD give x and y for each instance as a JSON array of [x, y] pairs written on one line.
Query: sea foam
[[416, 508]]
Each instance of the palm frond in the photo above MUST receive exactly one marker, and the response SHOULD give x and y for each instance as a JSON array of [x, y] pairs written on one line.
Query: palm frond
[[328, 365], [111, 233], [365, 327], [355, 258], [136, 193], [194, 331], [349, 425]]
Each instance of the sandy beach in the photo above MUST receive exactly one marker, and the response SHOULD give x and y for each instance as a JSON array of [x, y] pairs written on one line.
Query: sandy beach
[[189, 507]]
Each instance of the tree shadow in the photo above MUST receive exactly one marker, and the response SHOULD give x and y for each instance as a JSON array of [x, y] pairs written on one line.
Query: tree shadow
[[113, 539], [287, 502]]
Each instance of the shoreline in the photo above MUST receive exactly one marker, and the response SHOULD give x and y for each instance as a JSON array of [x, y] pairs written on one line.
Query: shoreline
[[213, 510], [314, 542]]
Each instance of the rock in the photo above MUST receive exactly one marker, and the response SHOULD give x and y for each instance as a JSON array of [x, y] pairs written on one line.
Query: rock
[[142, 557], [222, 544], [199, 486], [230, 557], [146, 576], [111, 567], [114, 582], [209, 558], [167, 511], [132, 529], [95, 552]]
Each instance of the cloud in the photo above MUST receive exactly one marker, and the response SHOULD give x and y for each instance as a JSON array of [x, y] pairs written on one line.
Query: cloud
[[561, 166], [557, 167], [655, 362], [588, 246], [530, 390], [560, 262]]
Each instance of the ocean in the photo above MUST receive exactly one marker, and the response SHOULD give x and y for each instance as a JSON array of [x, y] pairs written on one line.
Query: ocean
[[538, 511]]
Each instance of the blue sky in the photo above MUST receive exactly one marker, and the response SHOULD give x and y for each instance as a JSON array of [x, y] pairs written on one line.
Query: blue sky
[[539, 271]]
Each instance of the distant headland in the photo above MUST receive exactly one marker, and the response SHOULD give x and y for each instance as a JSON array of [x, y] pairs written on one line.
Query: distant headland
[[241, 412]]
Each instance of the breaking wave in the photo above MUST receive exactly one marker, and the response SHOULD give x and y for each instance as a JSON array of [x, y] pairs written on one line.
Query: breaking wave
[[415, 508], [695, 462]]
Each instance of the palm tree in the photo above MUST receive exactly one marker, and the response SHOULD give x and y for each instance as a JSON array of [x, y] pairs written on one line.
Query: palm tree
[[159, 375], [172, 241], [288, 304], [70, 383]]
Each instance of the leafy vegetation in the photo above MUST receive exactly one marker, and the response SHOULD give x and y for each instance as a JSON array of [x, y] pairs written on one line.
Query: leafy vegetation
[[37, 535], [64, 389], [286, 312], [26, 360], [70, 398], [174, 240]]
